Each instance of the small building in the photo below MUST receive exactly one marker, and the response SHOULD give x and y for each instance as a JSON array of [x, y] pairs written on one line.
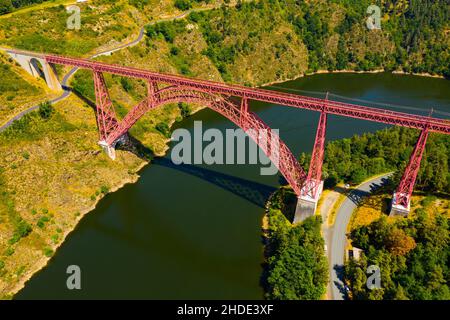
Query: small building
[[354, 253]]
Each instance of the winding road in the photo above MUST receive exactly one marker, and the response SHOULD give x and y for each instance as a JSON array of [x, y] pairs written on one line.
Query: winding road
[[339, 230], [64, 83]]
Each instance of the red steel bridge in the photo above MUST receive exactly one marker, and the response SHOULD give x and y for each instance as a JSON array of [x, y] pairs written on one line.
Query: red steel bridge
[[165, 88]]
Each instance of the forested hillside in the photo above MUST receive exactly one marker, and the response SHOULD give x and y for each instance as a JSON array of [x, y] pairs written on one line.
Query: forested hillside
[[257, 42], [319, 34]]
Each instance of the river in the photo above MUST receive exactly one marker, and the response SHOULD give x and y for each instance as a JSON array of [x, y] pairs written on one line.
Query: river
[[194, 232]]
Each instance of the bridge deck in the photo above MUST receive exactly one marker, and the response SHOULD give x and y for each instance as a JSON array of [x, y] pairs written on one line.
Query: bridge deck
[[286, 99]]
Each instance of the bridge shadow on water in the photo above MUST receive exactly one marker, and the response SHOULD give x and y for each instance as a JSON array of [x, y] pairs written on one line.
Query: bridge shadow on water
[[251, 191]]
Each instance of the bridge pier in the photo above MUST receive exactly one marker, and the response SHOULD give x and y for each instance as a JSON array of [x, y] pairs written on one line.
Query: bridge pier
[[399, 209], [401, 200], [31, 65], [313, 186], [109, 149], [306, 204]]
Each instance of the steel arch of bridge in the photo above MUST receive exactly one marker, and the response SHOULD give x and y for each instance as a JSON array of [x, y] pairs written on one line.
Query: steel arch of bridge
[[164, 88], [275, 149]]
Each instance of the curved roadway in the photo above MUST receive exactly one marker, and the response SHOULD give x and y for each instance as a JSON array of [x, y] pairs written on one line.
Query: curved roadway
[[65, 80], [339, 238]]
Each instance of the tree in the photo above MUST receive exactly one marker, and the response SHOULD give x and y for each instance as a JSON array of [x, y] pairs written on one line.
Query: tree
[[399, 243], [341, 55], [46, 110], [5, 6], [185, 110], [126, 84], [163, 127], [183, 4], [412, 256], [358, 175]]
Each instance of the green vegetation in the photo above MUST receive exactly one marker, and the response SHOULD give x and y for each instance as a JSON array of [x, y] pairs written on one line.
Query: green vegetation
[[34, 125], [104, 189], [185, 110], [7, 6], [46, 110], [83, 84], [165, 30], [22, 229], [126, 84], [179, 61], [140, 4], [9, 252], [411, 254], [296, 263], [45, 30], [16, 90], [253, 43], [164, 128], [184, 5], [413, 36], [61, 160], [360, 157], [42, 221], [48, 252]]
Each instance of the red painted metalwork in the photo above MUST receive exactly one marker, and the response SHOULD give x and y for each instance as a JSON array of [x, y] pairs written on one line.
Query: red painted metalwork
[[275, 149], [280, 98], [314, 179], [404, 191], [152, 87], [106, 116], [244, 109], [215, 96]]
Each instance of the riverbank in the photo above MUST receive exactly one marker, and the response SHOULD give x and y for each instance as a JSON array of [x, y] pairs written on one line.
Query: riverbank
[[398, 72], [43, 262], [81, 211], [64, 175]]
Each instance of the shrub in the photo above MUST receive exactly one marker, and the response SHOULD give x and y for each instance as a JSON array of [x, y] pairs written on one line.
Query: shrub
[[41, 222], [22, 230], [104, 189], [48, 252], [185, 110], [183, 4], [46, 110], [174, 51], [163, 128], [9, 252], [126, 84]]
